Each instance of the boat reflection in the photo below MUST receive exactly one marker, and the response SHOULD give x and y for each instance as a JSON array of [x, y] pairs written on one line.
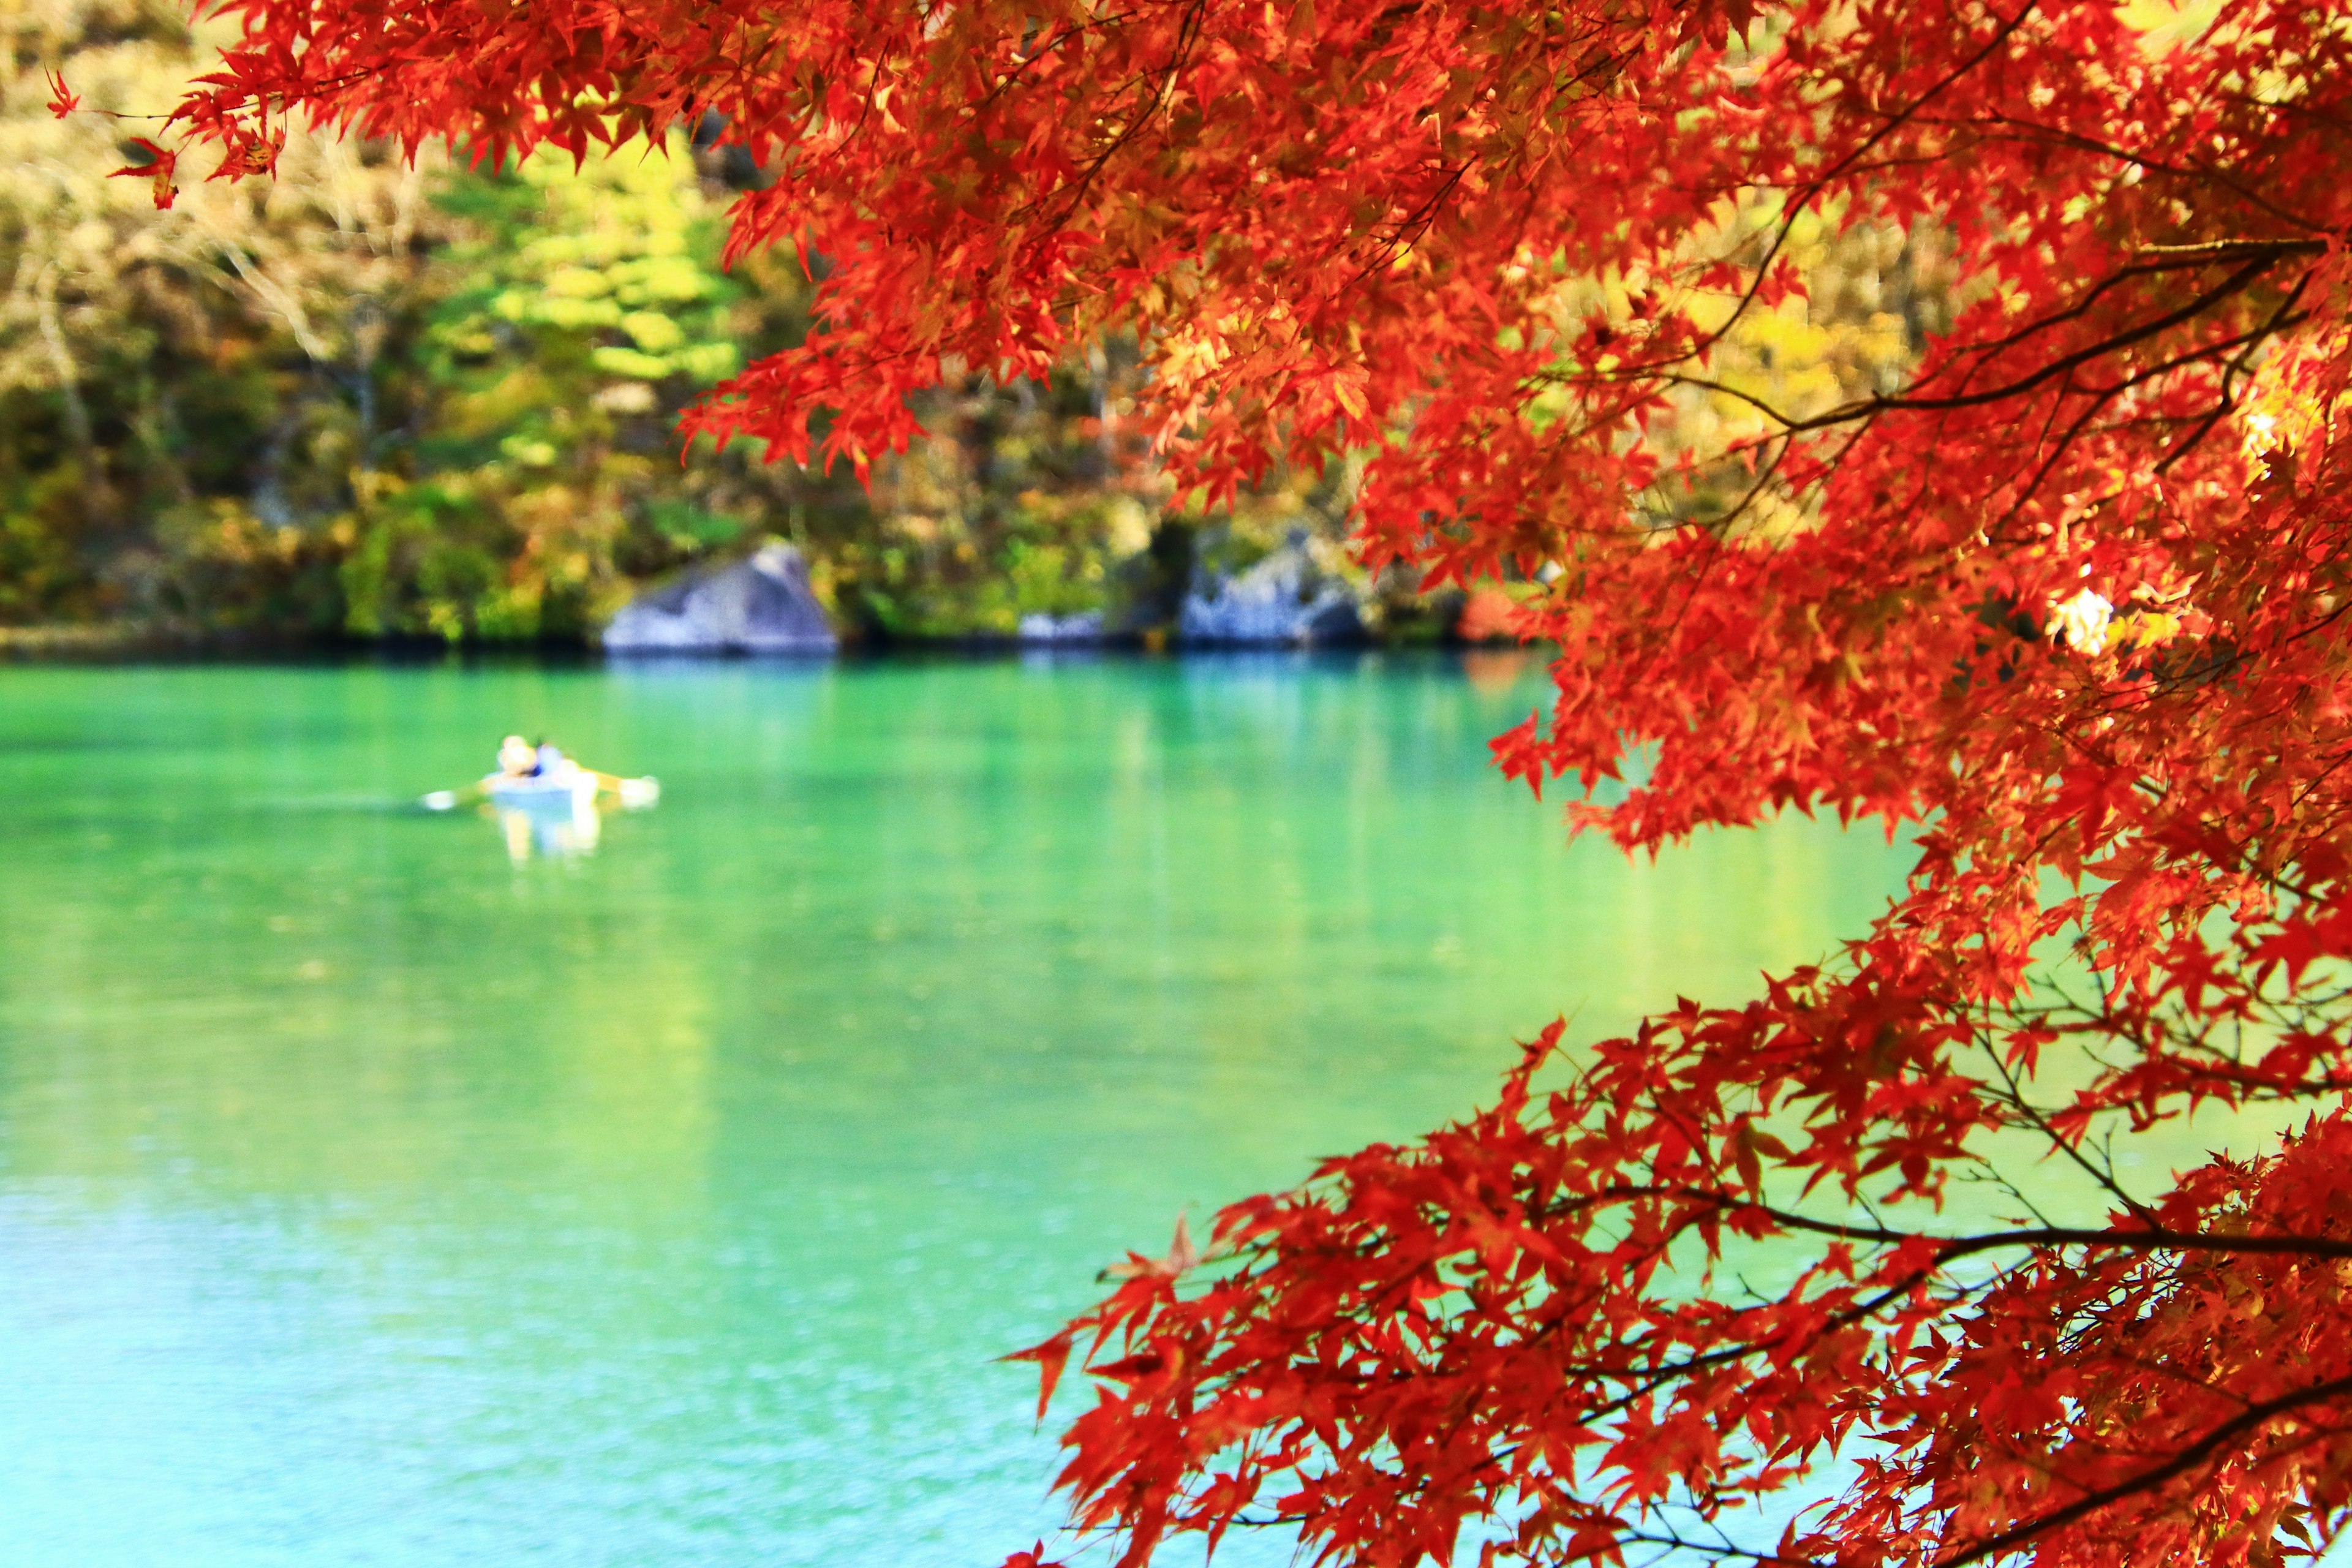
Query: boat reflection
[[553, 814], [553, 827]]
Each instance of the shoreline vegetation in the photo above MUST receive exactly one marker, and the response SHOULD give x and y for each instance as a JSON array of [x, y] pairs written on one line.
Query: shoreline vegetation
[[1486, 664], [132, 637]]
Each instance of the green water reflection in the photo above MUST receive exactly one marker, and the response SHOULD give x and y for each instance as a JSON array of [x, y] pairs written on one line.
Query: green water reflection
[[368, 1198]]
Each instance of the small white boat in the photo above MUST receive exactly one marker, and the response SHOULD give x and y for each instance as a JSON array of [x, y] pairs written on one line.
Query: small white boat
[[540, 789]]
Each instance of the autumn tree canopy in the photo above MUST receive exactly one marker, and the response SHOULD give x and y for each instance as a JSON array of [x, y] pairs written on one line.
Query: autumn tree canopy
[[2055, 584]]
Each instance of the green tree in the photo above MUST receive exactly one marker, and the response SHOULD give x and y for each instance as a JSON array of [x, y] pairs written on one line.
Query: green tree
[[579, 309]]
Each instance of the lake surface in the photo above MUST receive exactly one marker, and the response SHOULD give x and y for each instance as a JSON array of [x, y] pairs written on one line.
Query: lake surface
[[378, 1187]]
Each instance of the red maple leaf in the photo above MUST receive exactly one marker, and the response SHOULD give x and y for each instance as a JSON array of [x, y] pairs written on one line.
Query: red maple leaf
[[158, 167]]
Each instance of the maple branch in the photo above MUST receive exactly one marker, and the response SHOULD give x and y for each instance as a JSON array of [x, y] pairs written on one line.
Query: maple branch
[[2042, 136], [2280, 319], [2169, 259], [2214, 250], [1950, 1247], [2034, 1114], [2252, 1420], [1804, 194], [2029, 488], [1026, 56], [2000, 35], [1699, 348], [1188, 37], [1846, 412], [1726, 1548]]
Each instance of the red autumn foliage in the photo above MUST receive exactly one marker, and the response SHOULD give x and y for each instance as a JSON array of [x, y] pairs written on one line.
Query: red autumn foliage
[[61, 102], [1486, 616], [2065, 598], [159, 165]]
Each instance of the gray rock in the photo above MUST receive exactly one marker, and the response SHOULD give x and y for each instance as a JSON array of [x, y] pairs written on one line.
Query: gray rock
[[1283, 601], [1085, 627], [761, 605]]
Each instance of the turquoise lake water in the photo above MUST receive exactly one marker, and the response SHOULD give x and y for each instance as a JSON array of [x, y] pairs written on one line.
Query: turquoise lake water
[[379, 1187]]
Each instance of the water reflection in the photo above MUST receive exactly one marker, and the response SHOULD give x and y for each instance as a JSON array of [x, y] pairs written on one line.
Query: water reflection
[[1498, 669], [557, 827], [364, 1202]]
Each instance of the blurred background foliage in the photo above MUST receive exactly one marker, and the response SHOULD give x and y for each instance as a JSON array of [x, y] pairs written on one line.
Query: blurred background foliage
[[373, 399]]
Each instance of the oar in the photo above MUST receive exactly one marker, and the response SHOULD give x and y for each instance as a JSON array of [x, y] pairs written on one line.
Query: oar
[[448, 799], [633, 792]]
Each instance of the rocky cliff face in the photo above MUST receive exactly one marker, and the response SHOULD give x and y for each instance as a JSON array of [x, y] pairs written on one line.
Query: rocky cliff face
[[761, 605], [1285, 600], [1082, 629]]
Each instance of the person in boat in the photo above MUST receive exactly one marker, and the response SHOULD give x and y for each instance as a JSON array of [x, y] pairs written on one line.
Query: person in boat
[[551, 762], [517, 758]]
